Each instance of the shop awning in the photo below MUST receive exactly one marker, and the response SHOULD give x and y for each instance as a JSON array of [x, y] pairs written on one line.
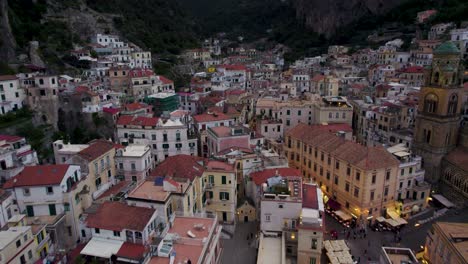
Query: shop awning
[[444, 201], [380, 219], [101, 248], [392, 222], [401, 221], [344, 216], [334, 205], [393, 214]]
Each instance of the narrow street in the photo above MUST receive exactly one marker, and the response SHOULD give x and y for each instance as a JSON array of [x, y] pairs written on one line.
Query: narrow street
[[239, 249]]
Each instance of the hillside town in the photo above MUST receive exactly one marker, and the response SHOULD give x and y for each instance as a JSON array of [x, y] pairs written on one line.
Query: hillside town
[[353, 156]]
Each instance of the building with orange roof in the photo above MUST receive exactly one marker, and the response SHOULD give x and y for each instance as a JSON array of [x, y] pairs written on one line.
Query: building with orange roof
[[412, 76], [58, 193], [206, 120], [138, 109], [361, 179], [97, 162], [168, 195], [222, 138], [115, 231]]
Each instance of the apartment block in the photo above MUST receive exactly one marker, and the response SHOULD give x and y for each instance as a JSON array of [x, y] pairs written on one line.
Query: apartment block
[[166, 137], [134, 162], [11, 94], [361, 179]]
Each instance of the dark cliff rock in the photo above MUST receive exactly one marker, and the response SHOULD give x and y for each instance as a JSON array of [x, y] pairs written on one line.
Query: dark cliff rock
[[326, 16], [7, 40]]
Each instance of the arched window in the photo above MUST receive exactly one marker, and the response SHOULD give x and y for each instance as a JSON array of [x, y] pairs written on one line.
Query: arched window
[[452, 105], [430, 103], [436, 78], [427, 135]]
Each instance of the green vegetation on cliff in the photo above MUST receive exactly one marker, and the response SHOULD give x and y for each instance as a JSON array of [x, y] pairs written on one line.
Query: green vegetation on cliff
[[159, 25]]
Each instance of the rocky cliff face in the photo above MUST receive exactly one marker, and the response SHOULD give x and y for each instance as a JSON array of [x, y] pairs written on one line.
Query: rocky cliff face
[[7, 40], [326, 16]]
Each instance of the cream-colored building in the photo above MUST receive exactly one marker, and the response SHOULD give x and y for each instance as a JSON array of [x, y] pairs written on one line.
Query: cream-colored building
[[55, 195], [246, 212], [220, 193], [360, 179], [447, 243], [166, 194], [17, 245]]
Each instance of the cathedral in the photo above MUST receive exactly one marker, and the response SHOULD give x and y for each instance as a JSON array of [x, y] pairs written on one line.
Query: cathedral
[[441, 138]]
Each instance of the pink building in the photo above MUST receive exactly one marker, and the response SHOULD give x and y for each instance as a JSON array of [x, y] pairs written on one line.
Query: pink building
[[222, 138], [134, 162]]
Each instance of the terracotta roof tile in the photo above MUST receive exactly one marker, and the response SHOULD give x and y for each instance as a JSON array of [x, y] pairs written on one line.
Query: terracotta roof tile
[[136, 73], [318, 78], [180, 166], [39, 175], [96, 149], [110, 110], [309, 196], [233, 67], [217, 116], [118, 216], [9, 138], [165, 80], [215, 165], [135, 106], [359, 155], [131, 251], [130, 120], [8, 77]]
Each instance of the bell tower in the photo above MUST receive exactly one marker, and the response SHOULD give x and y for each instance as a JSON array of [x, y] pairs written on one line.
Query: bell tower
[[438, 119]]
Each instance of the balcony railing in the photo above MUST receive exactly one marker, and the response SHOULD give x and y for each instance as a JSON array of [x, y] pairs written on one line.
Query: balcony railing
[[43, 242]]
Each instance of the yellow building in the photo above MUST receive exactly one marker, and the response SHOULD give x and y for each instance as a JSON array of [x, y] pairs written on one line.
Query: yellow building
[[97, 163], [184, 167], [362, 180], [17, 245], [41, 239], [220, 197], [246, 212]]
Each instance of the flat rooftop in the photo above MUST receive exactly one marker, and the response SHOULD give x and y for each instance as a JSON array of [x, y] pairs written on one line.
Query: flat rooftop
[[270, 250], [162, 95], [72, 148], [135, 150], [149, 191], [399, 255], [8, 236]]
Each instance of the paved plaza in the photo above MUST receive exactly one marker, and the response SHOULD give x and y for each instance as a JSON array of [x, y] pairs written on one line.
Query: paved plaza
[[239, 249], [368, 249]]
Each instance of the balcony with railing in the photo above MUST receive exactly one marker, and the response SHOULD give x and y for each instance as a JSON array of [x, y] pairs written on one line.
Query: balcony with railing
[[45, 240]]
